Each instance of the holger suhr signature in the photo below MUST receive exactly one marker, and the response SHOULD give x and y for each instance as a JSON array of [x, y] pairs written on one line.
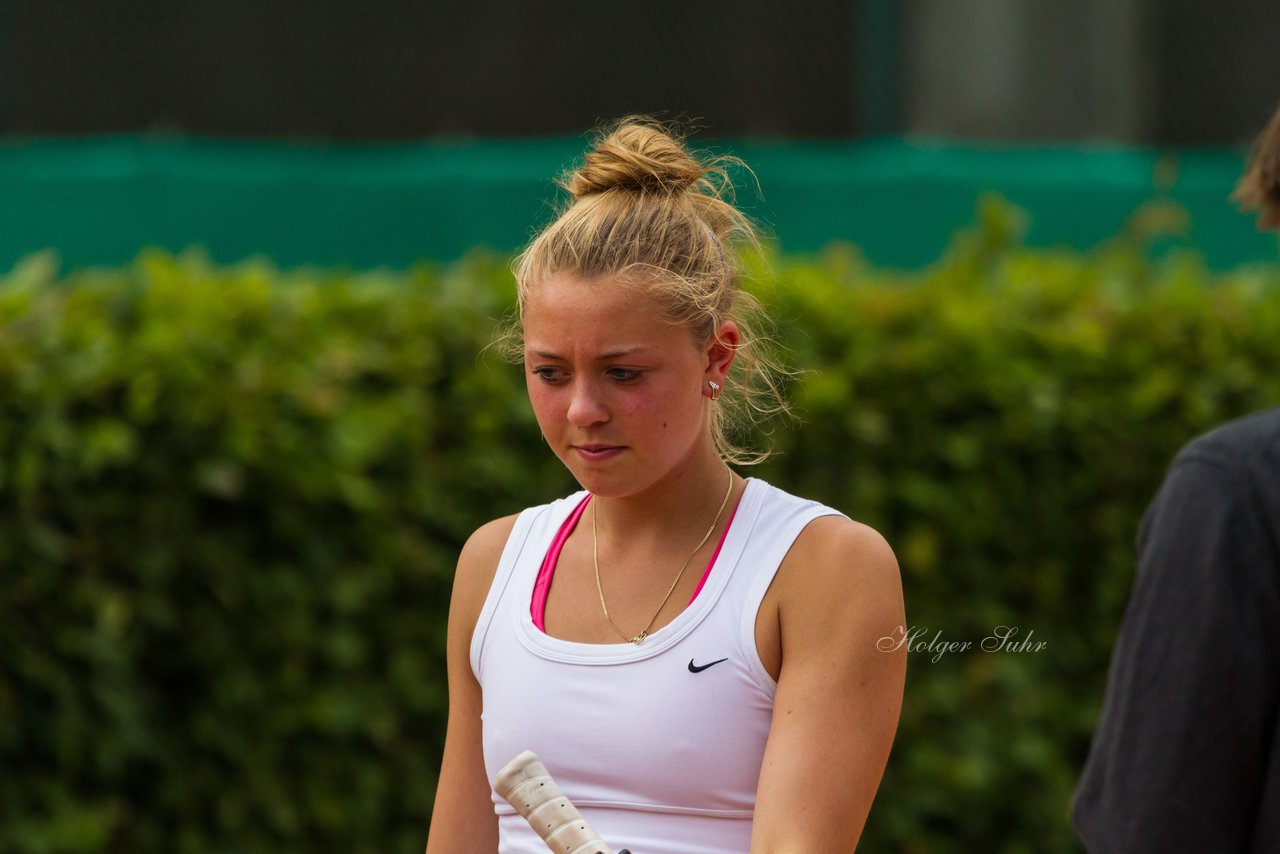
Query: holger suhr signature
[[1001, 639]]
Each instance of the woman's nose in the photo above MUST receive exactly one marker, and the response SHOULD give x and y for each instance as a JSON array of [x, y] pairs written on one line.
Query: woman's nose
[[586, 407]]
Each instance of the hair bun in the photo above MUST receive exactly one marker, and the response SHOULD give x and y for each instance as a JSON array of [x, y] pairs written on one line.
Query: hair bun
[[636, 155]]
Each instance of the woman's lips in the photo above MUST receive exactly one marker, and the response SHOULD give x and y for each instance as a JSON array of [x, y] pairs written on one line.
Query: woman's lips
[[601, 452]]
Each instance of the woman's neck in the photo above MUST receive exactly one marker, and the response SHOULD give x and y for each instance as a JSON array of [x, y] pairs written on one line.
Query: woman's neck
[[676, 509]]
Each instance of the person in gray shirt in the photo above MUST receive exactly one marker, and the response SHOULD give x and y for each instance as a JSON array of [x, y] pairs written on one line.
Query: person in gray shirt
[[1186, 756]]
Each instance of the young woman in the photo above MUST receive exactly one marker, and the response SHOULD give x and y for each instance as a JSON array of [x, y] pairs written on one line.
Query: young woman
[[696, 657]]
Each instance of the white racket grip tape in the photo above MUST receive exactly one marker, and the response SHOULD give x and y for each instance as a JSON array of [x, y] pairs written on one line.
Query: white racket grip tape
[[527, 786]]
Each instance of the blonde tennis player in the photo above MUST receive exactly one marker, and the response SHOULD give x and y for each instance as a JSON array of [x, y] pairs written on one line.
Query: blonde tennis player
[[692, 653]]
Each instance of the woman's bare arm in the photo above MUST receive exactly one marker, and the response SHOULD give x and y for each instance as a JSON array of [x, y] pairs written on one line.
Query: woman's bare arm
[[463, 821], [839, 693]]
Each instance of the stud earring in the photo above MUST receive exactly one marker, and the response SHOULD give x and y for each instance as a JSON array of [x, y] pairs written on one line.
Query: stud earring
[[715, 389]]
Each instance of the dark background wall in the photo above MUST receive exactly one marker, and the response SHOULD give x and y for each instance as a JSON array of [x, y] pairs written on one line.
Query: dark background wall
[[1216, 69], [1164, 72], [405, 68]]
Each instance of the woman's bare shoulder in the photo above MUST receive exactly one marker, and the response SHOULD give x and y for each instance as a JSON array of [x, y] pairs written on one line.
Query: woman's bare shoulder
[[478, 563], [489, 539], [837, 533], [836, 555]]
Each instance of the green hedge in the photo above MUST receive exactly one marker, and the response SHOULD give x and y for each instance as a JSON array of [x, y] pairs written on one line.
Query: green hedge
[[231, 499]]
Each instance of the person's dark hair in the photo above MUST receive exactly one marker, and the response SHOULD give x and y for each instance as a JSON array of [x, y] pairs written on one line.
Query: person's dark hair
[[647, 214], [1259, 187]]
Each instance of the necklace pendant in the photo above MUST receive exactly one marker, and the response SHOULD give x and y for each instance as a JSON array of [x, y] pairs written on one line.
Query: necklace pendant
[[638, 639]]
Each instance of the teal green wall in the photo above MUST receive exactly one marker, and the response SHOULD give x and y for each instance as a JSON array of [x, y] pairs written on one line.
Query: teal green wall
[[98, 200]]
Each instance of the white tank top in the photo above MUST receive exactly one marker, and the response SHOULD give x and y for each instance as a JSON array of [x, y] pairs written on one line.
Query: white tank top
[[659, 745]]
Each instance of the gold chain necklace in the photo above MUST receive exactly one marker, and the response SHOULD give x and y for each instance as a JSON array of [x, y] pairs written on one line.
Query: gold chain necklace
[[595, 556]]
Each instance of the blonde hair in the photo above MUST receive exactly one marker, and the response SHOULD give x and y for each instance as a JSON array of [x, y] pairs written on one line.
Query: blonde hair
[[1259, 187], [647, 214]]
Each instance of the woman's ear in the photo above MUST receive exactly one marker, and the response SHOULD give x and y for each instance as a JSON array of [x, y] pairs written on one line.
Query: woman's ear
[[721, 350]]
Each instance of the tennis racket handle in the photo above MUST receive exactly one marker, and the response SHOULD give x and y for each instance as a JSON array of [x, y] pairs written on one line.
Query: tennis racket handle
[[527, 786]]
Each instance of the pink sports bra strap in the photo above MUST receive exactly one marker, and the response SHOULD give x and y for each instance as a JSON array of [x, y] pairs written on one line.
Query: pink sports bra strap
[[542, 585]]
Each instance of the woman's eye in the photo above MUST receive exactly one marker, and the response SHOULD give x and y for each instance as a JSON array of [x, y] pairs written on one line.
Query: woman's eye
[[547, 375], [553, 375]]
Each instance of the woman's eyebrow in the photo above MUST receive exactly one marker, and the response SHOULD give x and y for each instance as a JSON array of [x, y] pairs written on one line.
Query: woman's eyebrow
[[612, 354]]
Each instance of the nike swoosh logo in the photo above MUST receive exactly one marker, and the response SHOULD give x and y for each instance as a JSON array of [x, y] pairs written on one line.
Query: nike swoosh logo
[[698, 668]]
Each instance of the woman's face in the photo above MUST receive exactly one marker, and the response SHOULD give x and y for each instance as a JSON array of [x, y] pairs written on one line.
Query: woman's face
[[618, 391]]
